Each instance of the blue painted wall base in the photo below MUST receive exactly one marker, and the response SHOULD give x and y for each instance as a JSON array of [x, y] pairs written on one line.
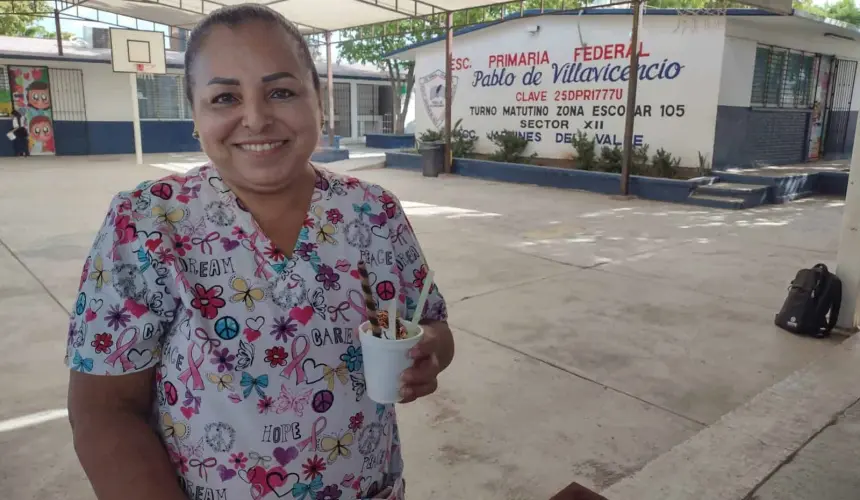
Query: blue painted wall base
[[328, 155], [390, 141]]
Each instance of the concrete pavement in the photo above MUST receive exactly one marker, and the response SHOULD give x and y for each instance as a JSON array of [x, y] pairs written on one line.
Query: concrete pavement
[[594, 335]]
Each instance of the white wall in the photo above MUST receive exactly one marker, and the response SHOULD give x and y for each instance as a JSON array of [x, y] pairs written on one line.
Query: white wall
[[107, 94], [744, 35], [695, 87]]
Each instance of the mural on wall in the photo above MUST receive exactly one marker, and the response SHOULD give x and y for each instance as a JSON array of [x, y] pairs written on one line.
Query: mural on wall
[[5, 94], [547, 84], [31, 96]]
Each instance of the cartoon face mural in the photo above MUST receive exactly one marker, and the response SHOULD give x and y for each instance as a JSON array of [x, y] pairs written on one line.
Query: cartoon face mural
[[31, 95], [42, 131], [38, 95]]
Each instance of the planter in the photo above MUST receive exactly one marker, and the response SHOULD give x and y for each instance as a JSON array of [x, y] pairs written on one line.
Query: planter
[[323, 144], [390, 141], [407, 161], [328, 155]]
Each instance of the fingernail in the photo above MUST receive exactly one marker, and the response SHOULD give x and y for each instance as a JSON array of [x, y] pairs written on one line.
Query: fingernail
[[405, 393]]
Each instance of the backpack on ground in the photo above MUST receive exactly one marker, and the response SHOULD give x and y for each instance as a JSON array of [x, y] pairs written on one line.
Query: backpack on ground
[[812, 304]]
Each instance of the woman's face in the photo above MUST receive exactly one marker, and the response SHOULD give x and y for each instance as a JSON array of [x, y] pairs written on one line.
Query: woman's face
[[255, 105]]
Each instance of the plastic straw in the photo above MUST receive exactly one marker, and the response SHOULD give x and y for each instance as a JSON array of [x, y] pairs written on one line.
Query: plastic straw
[[368, 300], [392, 318], [422, 299]]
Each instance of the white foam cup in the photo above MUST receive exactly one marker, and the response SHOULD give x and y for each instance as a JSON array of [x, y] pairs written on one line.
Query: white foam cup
[[385, 360]]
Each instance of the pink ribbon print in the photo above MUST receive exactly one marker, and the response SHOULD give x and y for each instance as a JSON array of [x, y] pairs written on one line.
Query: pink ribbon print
[[356, 300], [122, 348], [203, 466], [206, 243], [208, 342], [193, 371], [339, 311], [298, 358], [315, 432]]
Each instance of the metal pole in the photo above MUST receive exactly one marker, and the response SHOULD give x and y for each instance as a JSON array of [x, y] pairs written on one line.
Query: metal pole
[[627, 157], [59, 33], [329, 88], [449, 94], [135, 114]]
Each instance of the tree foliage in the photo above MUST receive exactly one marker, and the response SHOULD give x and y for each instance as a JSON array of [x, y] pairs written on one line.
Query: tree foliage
[[840, 10], [17, 18]]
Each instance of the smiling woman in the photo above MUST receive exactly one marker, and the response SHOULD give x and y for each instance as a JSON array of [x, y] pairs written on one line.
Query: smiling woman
[[226, 297]]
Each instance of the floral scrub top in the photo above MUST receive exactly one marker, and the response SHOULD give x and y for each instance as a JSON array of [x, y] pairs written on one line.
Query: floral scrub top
[[260, 387]]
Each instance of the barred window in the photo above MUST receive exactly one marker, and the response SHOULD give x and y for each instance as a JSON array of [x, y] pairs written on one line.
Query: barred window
[[162, 97], [783, 78]]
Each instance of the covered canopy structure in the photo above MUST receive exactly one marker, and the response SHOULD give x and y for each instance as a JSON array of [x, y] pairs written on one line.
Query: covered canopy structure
[[312, 16]]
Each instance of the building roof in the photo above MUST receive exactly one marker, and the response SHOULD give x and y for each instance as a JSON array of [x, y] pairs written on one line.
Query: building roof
[[847, 30], [78, 51]]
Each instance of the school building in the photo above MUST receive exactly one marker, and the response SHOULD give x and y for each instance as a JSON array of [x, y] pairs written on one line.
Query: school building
[[76, 105], [742, 88]]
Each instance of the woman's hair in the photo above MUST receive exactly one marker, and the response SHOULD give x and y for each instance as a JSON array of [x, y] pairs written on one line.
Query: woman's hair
[[237, 15]]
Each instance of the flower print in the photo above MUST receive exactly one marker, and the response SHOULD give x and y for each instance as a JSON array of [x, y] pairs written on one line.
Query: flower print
[[309, 222], [351, 182], [181, 244], [102, 343], [180, 461], [356, 421], [222, 359], [276, 356], [314, 467], [117, 317], [306, 250], [330, 492], [274, 253], [208, 301], [265, 404], [239, 460], [284, 328], [352, 357], [420, 274], [389, 205], [328, 277], [239, 233], [165, 256], [334, 216]]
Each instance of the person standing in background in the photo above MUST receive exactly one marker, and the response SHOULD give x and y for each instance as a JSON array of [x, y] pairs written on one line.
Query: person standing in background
[[22, 137]]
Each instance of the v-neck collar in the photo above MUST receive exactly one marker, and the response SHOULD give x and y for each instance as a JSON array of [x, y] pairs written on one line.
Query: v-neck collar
[[270, 262]]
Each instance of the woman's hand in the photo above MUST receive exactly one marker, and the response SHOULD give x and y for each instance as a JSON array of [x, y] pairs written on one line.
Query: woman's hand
[[430, 356]]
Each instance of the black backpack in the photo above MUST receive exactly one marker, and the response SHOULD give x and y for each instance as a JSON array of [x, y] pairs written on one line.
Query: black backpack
[[812, 305]]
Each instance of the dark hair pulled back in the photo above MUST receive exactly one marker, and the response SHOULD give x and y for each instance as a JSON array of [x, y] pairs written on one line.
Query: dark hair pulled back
[[238, 15]]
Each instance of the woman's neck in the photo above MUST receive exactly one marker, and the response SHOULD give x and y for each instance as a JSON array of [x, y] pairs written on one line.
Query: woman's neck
[[272, 209]]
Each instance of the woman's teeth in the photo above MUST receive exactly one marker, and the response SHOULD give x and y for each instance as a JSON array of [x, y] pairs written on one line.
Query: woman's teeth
[[261, 147]]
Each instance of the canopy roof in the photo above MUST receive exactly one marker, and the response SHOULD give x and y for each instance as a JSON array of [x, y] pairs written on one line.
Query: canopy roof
[[312, 16]]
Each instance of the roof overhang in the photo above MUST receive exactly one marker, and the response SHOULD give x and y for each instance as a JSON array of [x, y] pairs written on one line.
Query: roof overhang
[[312, 16]]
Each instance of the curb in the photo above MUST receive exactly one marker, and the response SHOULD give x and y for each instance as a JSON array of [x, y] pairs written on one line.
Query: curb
[[740, 451]]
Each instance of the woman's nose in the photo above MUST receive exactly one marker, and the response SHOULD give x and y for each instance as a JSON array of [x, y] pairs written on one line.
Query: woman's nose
[[257, 115]]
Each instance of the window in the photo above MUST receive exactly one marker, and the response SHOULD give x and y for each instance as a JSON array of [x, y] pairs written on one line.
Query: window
[[162, 97], [783, 78], [342, 108]]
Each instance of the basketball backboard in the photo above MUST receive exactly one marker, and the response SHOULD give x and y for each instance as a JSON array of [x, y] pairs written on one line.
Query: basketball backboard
[[136, 51]]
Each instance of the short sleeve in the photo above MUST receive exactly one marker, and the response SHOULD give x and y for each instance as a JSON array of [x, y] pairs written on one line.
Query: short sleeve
[[119, 315], [412, 263]]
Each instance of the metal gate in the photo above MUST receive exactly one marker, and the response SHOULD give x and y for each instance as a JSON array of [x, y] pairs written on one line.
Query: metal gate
[[69, 106], [839, 107]]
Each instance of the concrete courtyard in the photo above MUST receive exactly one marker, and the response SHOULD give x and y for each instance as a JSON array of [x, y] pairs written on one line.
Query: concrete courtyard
[[594, 334]]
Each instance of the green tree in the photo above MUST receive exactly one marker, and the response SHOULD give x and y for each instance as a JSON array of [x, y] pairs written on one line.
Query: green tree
[[369, 44], [840, 10], [17, 16]]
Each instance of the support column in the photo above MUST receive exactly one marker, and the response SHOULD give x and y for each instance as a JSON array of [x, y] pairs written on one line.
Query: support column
[[848, 254], [135, 117], [59, 33], [449, 94], [330, 88], [632, 84]]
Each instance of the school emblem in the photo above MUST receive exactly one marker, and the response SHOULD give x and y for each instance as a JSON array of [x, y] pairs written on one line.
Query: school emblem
[[432, 89]]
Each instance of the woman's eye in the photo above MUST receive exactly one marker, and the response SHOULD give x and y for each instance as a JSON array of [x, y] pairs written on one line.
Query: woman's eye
[[223, 99], [282, 94]]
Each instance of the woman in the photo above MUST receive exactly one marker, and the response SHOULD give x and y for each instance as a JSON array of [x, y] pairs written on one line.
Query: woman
[[19, 128], [229, 300]]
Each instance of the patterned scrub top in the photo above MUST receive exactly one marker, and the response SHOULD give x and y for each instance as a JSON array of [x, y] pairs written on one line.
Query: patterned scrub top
[[260, 387]]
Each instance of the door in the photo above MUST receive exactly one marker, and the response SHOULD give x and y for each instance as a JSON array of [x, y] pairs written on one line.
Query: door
[[821, 94], [70, 111], [838, 112]]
